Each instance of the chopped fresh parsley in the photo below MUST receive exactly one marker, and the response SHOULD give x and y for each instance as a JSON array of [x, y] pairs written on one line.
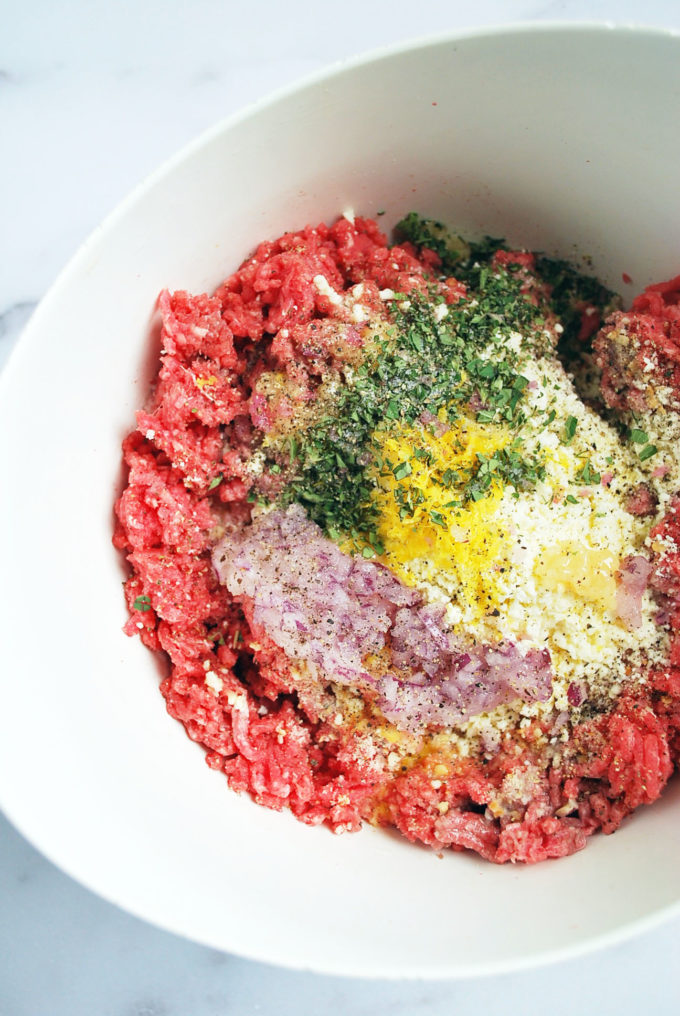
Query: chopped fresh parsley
[[142, 603], [465, 364], [402, 470], [572, 293], [425, 366], [588, 474], [570, 429], [458, 256]]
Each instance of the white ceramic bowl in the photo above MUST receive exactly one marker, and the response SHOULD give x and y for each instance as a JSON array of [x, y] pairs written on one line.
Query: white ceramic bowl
[[560, 138]]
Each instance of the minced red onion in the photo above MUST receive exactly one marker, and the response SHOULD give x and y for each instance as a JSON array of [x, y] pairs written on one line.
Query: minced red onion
[[333, 611], [632, 576]]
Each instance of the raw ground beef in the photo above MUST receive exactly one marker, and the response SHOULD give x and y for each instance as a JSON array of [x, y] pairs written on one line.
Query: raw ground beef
[[233, 688]]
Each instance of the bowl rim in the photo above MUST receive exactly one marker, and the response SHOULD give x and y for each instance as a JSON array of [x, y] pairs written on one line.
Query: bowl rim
[[325, 73], [23, 345]]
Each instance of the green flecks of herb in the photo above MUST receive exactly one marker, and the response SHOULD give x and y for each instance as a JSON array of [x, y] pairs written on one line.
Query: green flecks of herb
[[417, 340], [458, 256], [510, 465], [237, 639], [142, 603], [638, 436], [408, 500], [402, 470], [588, 474], [570, 426], [647, 452], [312, 496], [376, 543], [423, 364], [571, 499], [275, 468], [438, 519], [423, 455], [215, 482], [571, 292], [434, 235]]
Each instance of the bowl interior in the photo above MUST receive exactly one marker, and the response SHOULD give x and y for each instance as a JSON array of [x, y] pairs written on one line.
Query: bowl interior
[[544, 136]]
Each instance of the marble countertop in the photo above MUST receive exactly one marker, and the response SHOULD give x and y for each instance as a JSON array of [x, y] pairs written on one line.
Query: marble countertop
[[94, 95]]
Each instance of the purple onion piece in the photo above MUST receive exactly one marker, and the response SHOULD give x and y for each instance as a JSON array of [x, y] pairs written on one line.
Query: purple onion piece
[[332, 611]]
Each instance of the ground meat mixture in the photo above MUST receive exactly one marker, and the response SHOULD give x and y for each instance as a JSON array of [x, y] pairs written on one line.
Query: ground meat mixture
[[353, 520]]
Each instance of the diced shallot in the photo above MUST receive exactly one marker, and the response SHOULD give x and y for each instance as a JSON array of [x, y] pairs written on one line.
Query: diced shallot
[[632, 578], [352, 621]]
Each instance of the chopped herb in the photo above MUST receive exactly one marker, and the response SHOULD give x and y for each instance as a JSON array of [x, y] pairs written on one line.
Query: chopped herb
[[647, 452], [588, 474], [142, 603], [215, 482], [571, 293], [570, 429], [571, 499], [638, 436], [460, 366]]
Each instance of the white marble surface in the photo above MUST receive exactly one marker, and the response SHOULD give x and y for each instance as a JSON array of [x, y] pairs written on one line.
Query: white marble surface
[[94, 95]]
